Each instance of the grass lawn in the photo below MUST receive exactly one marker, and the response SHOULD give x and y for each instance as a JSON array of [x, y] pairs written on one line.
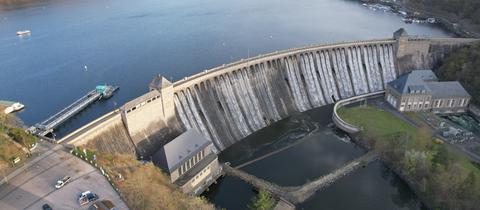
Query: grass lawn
[[375, 121], [8, 151], [378, 123]]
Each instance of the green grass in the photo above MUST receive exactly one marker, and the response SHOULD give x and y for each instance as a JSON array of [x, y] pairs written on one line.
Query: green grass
[[381, 124], [81, 153], [375, 121]]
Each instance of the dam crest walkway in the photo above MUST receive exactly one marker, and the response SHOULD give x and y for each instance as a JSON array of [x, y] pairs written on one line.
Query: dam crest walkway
[[299, 194]]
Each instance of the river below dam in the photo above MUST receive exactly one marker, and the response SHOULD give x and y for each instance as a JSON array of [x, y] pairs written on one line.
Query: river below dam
[[317, 149], [76, 45]]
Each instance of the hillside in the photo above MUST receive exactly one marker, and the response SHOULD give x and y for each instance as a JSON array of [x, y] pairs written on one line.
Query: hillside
[[142, 185], [465, 12], [14, 142], [464, 66]]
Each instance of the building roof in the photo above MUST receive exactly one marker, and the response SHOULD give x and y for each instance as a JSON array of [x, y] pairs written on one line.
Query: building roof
[[180, 149], [159, 82], [414, 80], [447, 89], [425, 81]]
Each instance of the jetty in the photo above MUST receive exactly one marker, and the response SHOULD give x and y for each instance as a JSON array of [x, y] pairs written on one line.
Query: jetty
[[47, 126]]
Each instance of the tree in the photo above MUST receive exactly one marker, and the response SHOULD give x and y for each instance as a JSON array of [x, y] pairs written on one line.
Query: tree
[[263, 201]]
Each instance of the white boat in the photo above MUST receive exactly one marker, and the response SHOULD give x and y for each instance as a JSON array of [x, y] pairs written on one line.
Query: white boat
[[14, 108], [23, 33]]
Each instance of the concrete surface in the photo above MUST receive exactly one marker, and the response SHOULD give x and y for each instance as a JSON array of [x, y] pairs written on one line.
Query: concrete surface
[[33, 185]]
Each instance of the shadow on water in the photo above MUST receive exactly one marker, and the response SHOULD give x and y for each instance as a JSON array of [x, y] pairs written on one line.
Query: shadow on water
[[317, 150]]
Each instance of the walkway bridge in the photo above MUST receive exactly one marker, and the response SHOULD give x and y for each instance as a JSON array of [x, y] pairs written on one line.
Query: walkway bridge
[[47, 126], [298, 194]]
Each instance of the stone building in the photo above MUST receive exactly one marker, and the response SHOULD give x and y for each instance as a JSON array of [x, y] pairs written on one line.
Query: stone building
[[190, 161], [420, 90]]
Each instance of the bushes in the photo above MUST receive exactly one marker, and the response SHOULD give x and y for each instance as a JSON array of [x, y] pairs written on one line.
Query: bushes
[[467, 9], [22, 137], [144, 186], [464, 66], [442, 176], [263, 201]]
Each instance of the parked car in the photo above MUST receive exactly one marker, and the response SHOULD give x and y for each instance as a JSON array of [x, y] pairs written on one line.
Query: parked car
[[46, 207], [62, 182], [87, 197]]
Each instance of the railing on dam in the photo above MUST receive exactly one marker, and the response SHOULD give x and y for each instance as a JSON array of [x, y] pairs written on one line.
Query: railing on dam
[[339, 122], [197, 78]]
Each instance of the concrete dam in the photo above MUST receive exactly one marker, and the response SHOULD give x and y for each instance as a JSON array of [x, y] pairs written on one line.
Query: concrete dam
[[250, 95], [231, 101]]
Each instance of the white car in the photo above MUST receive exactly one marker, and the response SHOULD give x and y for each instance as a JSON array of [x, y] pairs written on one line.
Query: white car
[[62, 182]]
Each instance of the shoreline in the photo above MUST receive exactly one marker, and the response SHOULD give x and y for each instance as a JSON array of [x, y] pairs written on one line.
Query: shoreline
[[411, 185], [444, 22]]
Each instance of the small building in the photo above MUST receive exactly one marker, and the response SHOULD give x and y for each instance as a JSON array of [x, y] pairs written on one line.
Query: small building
[[420, 90], [190, 161]]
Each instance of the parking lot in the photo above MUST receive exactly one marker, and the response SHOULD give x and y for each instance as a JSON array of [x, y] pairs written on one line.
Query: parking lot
[[35, 185]]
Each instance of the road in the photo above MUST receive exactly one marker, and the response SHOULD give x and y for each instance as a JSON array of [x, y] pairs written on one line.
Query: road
[[33, 185]]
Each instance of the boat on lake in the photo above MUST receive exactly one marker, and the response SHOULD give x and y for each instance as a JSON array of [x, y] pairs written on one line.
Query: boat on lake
[[14, 108], [23, 33]]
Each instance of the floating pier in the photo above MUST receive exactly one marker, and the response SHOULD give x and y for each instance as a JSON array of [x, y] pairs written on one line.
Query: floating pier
[[47, 126]]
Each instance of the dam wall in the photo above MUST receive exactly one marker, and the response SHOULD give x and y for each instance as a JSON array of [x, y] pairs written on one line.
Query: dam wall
[[93, 129], [229, 102], [425, 53]]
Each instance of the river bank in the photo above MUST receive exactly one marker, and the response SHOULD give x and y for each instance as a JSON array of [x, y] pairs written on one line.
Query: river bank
[[459, 27], [440, 176]]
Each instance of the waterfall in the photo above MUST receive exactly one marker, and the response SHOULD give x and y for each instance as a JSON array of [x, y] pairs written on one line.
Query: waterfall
[[188, 111], [338, 76], [385, 74], [211, 127], [324, 77], [361, 72], [376, 65], [196, 117], [251, 97], [311, 89], [292, 78], [313, 71], [231, 102], [223, 111], [303, 92], [244, 102], [181, 113], [266, 91], [393, 74], [329, 76], [353, 70], [232, 105], [346, 75]]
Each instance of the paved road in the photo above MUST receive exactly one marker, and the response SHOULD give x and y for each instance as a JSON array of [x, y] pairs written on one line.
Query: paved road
[[33, 185]]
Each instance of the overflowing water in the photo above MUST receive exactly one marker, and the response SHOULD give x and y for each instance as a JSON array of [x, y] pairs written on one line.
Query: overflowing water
[[299, 82]]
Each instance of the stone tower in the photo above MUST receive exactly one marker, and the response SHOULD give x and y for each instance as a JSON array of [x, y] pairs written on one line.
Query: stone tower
[[165, 87]]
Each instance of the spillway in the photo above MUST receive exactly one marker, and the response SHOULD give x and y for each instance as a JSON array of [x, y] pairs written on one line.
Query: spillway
[[246, 96]]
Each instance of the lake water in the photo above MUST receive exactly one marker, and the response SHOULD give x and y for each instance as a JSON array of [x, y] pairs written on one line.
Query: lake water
[[126, 43], [76, 45]]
